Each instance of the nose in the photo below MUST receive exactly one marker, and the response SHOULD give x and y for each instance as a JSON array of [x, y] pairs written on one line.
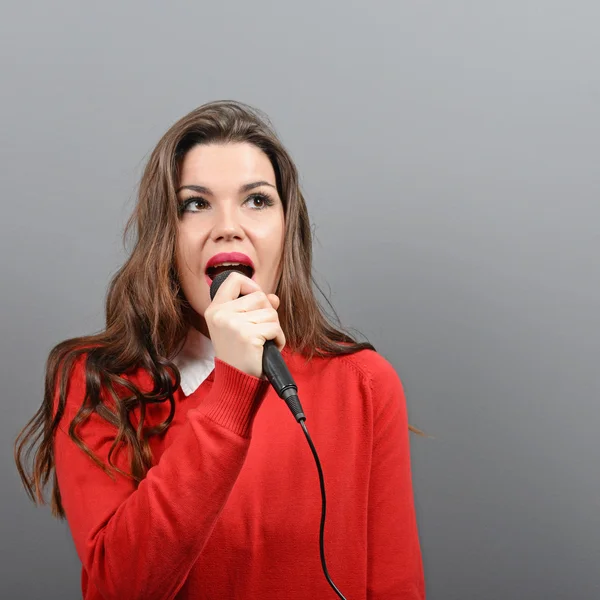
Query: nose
[[226, 224]]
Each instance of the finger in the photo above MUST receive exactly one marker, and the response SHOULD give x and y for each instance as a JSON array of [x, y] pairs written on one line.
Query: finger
[[235, 284], [272, 331], [263, 315], [253, 301], [274, 300]]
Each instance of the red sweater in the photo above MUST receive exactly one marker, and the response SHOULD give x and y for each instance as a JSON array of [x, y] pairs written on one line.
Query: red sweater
[[231, 508]]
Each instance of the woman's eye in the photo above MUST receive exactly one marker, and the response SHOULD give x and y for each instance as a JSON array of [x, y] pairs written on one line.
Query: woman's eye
[[189, 205], [263, 198], [199, 204], [257, 197]]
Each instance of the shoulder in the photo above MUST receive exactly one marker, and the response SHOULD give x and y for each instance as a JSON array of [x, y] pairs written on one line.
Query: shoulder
[[382, 383], [371, 370], [80, 367], [371, 365], [81, 378]]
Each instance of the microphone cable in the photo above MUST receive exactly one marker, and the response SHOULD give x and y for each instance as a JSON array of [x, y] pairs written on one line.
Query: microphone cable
[[322, 529], [283, 383], [280, 378]]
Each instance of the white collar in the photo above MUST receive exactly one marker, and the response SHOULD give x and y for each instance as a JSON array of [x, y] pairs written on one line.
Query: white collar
[[195, 361]]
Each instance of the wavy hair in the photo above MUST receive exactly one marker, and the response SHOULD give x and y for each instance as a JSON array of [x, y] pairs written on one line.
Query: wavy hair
[[147, 315]]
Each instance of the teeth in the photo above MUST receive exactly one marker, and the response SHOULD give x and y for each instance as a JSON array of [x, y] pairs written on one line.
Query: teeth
[[221, 267], [228, 264]]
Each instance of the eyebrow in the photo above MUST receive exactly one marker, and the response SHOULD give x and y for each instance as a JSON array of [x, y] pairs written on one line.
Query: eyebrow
[[204, 190]]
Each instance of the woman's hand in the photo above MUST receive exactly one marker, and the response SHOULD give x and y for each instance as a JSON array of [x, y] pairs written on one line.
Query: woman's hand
[[239, 326]]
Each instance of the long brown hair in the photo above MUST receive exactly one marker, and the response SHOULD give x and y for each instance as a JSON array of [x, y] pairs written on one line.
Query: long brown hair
[[147, 313]]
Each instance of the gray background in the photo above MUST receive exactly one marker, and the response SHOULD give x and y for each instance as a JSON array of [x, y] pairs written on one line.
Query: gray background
[[449, 152]]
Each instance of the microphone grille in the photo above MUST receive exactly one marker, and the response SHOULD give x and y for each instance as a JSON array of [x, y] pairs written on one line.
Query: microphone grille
[[217, 281]]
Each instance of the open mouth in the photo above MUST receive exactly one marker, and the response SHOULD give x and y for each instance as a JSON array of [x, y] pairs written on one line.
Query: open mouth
[[246, 270]]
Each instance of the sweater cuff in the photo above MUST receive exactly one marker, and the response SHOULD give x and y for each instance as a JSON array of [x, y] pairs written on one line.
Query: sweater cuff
[[234, 399]]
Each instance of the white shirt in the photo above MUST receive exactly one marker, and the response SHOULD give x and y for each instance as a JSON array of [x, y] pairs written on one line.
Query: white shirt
[[195, 361]]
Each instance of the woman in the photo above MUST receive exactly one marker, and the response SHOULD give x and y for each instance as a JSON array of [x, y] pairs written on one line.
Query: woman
[[180, 471]]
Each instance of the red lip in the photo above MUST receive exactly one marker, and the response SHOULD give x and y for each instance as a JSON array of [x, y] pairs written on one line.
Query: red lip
[[236, 257]]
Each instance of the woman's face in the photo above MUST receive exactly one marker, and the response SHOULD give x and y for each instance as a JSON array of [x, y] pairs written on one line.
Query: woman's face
[[234, 208]]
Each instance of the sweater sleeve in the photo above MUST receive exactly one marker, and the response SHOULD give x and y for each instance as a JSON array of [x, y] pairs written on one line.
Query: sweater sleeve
[[394, 569], [142, 542]]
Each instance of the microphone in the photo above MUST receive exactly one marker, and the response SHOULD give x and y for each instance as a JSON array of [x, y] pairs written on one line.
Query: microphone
[[277, 373], [273, 365]]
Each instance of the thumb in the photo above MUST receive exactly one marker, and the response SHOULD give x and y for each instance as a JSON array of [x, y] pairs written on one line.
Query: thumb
[[274, 300]]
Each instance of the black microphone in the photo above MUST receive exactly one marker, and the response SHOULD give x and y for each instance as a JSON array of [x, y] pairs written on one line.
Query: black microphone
[[273, 365], [277, 373]]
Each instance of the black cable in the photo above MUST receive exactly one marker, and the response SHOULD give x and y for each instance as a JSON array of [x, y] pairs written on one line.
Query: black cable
[[321, 533]]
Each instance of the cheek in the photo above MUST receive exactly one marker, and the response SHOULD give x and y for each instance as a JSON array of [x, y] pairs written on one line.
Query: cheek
[[191, 287], [181, 258], [189, 266], [187, 243], [185, 268], [271, 234]]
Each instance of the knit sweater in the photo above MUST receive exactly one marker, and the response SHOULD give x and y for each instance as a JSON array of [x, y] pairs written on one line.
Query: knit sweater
[[231, 506]]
